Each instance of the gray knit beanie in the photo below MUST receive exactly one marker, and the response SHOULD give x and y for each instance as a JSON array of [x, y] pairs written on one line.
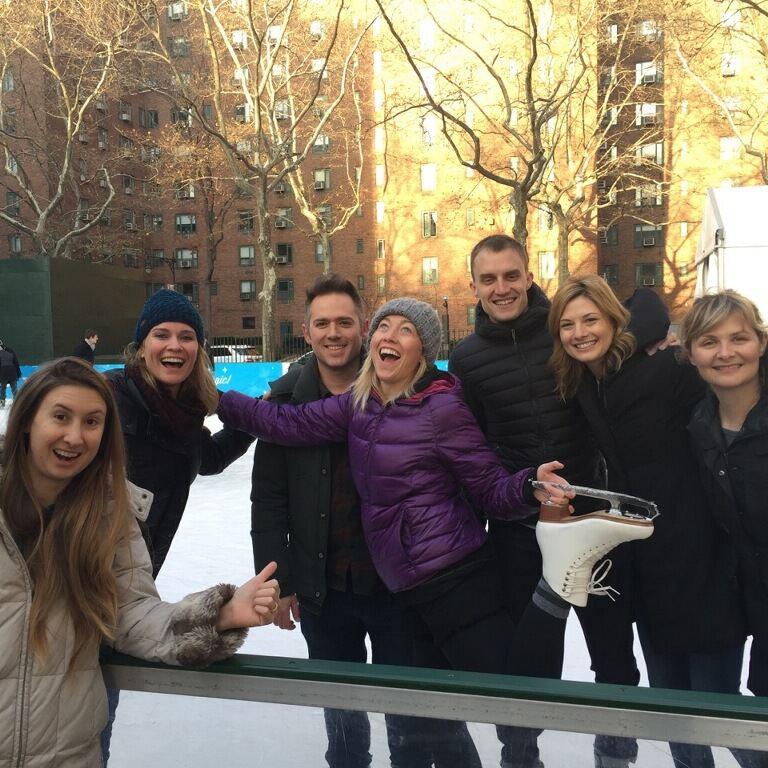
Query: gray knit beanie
[[422, 315]]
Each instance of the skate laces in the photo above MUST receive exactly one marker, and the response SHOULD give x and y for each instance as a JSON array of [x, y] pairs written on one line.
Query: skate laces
[[576, 581]]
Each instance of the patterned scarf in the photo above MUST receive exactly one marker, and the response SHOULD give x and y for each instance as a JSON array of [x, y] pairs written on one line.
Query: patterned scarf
[[182, 418]]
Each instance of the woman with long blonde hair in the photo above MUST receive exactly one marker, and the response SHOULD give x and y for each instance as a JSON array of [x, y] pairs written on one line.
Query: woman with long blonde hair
[[163, 394], [638, 406], [74, 571]]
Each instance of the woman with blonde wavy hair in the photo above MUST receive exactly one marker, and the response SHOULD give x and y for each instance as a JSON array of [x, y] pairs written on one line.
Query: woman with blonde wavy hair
[[74, 571], [638, 406], [163, 394]]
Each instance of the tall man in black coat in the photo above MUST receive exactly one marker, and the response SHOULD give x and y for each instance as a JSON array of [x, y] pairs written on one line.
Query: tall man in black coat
[[508, 384], [306, 517]]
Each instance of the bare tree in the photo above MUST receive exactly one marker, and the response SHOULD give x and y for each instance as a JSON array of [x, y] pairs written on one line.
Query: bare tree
[[269, 81], [57, 60]]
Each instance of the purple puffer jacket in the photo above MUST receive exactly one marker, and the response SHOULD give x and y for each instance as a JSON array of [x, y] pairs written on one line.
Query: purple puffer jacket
[[409, 461]]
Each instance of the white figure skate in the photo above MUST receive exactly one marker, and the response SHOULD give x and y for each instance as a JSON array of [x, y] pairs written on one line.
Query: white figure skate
[[571, 545]]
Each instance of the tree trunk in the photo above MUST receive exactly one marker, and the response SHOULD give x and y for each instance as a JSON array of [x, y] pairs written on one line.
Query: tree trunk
[[326, 241], [267, 295], [208, 282], [520, 207], [563, 270]]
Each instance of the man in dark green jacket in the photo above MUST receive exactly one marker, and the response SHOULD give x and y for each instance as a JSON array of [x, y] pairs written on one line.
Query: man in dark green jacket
[[306, 517]]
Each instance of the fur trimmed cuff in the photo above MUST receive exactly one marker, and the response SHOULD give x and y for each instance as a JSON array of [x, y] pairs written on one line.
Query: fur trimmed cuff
[[194, 624]]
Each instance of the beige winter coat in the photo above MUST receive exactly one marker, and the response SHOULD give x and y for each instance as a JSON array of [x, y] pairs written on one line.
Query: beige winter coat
[[49, 720]]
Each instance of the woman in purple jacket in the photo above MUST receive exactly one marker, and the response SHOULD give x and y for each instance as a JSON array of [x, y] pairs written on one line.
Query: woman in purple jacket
[[416, 454]]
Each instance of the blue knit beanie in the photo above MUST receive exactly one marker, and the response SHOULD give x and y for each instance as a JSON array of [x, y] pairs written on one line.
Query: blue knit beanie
[[168, 307]]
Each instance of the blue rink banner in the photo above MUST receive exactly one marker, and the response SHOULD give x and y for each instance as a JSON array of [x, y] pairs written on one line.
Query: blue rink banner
[[249, 378]]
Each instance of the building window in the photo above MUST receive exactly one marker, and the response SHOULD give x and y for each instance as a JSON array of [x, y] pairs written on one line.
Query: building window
[[381, 249], [608, 235], [186, 258], [325, 212], [152, 288], [14, 244], [8, 85], [429, 274], [470, 217], [284, 253], [611, 274], [322, 178], [429, 129], [154, 258], [648, 235], [320, 251], [247, 290], [186, 223], [322, 143], [242, 113], [124, 111], [381, 176], [471, 315], [149, 118], [648, 195], [12, 203], [380, 210], [178, 47], [102, 138], [650, 153], [544, 220], [683, 229], [429, 177], [730, 148], [285, 289], [129, 184], [247, 255], [729, 64], [647, 73], [9, 120], [427, 33], [190, 290], [153, 222], [649, 31], [547, 265], [184, 190], [131, 258], [381, 284], [129, 221], [181, 116], [359, 245], [429, 224], [647, 114], [245, 221], [177, 10], [284, 218], [249, 323], [648, 274], [361, 282]]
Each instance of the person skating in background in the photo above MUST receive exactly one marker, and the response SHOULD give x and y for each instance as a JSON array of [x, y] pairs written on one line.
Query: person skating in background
[[10, 371], [86, 348], [306, 517], [415, 452], [68, 526], [638, 406], [163, 395]]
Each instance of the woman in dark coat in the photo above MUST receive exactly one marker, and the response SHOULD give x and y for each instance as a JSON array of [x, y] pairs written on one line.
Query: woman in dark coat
[[638, 406], [724, 337], [163, 395]]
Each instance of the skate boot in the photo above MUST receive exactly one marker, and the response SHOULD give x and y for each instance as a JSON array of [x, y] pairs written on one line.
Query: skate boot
[[571, 545]]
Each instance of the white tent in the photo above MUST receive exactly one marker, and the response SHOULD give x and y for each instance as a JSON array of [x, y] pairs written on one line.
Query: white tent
[[733, 245]]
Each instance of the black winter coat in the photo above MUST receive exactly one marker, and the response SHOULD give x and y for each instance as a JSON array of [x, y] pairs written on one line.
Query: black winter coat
[[508, 384], [163, 464], [736, 479], [291, 500], [84, 351], [683, 588], [10, 370]]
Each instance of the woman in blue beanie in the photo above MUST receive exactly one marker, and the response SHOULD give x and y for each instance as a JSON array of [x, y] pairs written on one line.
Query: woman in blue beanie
[[163, 395]]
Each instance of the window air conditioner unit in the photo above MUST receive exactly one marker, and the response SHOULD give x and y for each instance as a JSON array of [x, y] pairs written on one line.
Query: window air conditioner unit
[[602, 235], [130, 226], [280, 188], [82, 177], [101, 105], [280, 223], [319, 184], [649, 79], [103, 183], [602, 185], [83, 138], [648, 120], [125, 117], [185, 265], [649, 281], [648, 241], [128, 190], [102, 144], [281, 115], [85, 216], [281, 259]]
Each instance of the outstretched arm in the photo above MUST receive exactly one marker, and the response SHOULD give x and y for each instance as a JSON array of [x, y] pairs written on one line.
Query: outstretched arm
[[317, 423]]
